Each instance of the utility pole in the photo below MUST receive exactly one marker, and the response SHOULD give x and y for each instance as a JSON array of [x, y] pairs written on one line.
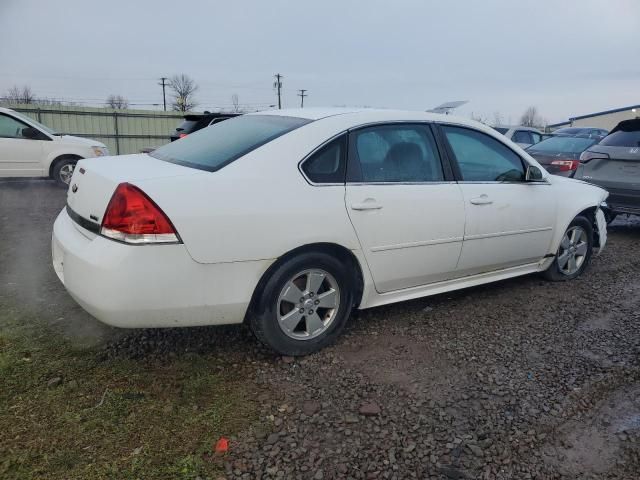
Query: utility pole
[[302, 95], [164, 96], [278, 86]]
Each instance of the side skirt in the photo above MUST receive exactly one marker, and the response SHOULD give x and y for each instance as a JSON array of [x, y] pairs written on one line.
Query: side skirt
[[456, 284]]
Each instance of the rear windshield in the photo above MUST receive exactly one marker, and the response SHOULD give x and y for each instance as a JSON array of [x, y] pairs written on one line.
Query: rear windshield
[[218, 145], [622, 139], [563, 144], [186, 126]]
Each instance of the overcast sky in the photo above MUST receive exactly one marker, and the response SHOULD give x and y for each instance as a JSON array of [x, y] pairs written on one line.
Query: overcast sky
[[566, 57]]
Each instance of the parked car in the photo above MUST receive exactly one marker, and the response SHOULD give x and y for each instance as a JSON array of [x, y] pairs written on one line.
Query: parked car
[[31, 149], [560, 154], [614, 164], [598, 133], [523, 136], [289, 219], [197, 121]]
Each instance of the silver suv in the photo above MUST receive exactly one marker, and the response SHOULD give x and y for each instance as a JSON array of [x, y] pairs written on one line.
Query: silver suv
[[614, 164]]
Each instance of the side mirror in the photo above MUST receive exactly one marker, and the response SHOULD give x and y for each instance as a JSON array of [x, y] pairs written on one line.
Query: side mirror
[[31, 133], [533, 174]]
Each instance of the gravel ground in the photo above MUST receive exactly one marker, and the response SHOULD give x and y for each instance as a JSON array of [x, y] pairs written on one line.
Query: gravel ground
[[515, 380]]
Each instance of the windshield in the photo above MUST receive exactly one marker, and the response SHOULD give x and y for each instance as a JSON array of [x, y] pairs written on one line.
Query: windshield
[[33, 122], [218, 145], [563, 144]]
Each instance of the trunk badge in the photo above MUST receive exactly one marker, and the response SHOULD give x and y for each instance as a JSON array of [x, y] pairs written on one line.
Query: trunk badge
[[74, 188]]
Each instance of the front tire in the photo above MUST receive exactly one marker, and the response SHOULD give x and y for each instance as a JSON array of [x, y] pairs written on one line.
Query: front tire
[[574, 252], [63, 170], [304, 304]]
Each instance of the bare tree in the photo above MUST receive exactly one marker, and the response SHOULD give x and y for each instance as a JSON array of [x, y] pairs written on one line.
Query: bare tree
[[184, 88], [479, 118], [497, 119], [236, 102], [20, 95], [117, 101], [531, 118]]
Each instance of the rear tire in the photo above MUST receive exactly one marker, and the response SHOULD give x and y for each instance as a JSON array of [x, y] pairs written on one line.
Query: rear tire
[[63, 170], [574, 251], [304, 304]]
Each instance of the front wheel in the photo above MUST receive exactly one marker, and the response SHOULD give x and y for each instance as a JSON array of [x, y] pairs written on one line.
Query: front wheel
[[574, 252], [304, 304], [63, 171]]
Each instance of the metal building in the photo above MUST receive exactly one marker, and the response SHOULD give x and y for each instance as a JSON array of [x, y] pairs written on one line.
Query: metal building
[[606, 119]]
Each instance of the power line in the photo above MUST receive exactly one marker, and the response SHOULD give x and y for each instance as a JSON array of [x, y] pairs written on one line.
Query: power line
[[164, 96], [278, 85], [302, 95]]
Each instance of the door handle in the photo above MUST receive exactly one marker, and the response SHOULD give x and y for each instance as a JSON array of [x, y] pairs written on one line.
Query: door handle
[[368, 204], [481, 200]]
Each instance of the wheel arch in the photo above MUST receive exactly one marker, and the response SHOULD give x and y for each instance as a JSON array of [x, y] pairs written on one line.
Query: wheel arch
[[59, 158], [333, 249], [589, 213]]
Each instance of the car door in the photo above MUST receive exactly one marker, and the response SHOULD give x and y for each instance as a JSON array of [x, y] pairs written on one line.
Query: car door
[[509, 221], [405, 207], [19, 155]]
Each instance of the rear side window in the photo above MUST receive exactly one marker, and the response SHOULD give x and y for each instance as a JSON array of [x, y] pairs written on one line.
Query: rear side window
[[522, 136], [394, 153], [328, 164], [482, 158], [622, 139], [214, 147]]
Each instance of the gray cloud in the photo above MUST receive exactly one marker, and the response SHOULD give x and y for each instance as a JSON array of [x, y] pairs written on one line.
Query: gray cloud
[[568, 58]]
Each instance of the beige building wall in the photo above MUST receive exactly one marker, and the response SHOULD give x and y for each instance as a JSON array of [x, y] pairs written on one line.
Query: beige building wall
[[607, 121]]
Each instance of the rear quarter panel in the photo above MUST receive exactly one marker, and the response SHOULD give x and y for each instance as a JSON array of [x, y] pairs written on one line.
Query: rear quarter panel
[[258, 207]]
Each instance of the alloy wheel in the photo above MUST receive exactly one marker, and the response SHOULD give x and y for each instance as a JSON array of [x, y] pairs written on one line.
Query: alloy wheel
[[573, 250], [66, 172], [308, 304]]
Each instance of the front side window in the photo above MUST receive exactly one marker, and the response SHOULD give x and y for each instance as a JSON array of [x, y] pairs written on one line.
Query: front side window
[[394, 153], [328, 164], [214, 147], [482, 158], [10, 127]]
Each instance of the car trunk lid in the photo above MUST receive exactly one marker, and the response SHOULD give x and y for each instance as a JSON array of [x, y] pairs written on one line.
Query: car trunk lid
[[95, 180]]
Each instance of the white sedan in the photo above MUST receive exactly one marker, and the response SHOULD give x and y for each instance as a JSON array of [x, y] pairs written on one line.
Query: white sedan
[[288, 220]]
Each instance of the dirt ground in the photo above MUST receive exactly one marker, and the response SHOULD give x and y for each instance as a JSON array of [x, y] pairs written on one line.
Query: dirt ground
[[515, 380]]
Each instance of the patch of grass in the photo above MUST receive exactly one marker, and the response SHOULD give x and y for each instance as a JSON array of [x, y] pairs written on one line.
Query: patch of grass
[[111, 419]]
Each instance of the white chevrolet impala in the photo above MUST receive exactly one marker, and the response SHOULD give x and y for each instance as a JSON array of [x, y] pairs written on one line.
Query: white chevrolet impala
[[288, 220]]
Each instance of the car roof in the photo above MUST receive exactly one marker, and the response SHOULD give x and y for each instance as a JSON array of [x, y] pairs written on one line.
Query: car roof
[[365, 115]]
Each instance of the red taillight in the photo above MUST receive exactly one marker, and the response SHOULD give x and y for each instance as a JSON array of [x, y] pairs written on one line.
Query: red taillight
[[132, 217], [182, 135], [566, 165]]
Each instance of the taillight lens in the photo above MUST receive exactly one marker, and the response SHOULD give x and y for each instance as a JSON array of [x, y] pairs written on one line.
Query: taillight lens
[[566, 165], [132, 217], [182, 135], [587, 156]]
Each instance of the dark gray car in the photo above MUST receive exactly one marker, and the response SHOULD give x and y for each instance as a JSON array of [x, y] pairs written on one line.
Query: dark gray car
[[614, 164]]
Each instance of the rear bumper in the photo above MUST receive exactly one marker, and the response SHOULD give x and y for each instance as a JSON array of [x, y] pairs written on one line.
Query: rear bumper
[[149, 286]]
